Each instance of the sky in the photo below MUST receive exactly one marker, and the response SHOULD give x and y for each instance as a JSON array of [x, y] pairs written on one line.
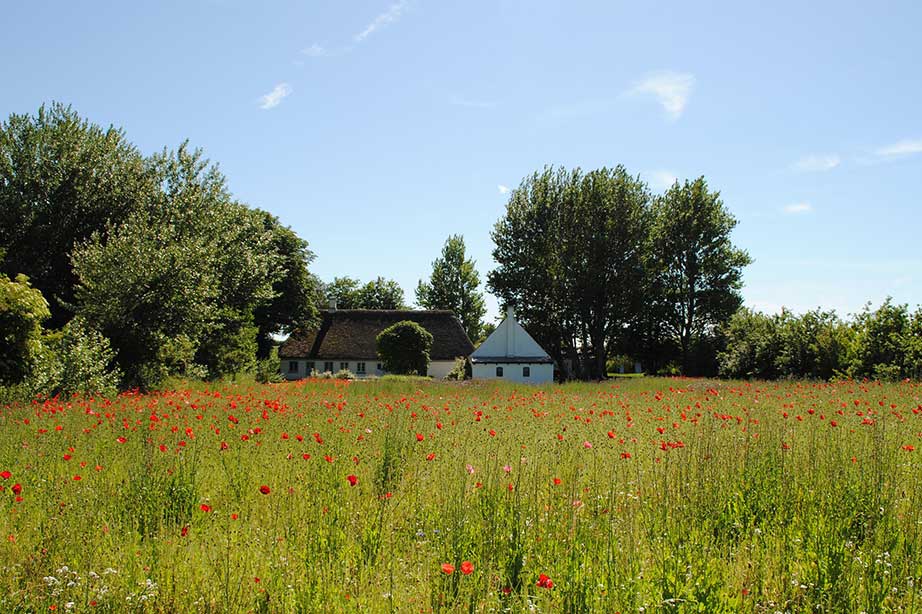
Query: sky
[[377, 128]]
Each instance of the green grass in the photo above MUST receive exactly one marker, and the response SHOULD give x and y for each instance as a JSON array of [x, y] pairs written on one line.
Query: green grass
[[663, 494]]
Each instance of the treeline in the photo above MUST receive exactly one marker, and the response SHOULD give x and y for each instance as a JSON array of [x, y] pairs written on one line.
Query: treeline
[[133, 268], [885, 344], [596, 266]]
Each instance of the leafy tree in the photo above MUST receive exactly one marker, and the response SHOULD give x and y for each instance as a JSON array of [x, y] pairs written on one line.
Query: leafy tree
[[62, 179], [696, 270], [22, 311], [404, 348], [570, 252], [77, 359], [296, 291], [377, 294], [753, 346], [175, 277], [453, 286], [883, 336]]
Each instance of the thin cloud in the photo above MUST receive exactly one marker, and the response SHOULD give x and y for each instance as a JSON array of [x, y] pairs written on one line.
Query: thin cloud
[[671, 89], [662, 180], [383, 20], [471, 104], [900, 149], [817, 163], [503, 189], [798, 208], [316, 51], [275, 97]]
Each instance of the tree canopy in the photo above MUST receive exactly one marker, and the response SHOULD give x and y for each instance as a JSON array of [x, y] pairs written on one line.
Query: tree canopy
[[453, 285], [380, 293], [404, 348]]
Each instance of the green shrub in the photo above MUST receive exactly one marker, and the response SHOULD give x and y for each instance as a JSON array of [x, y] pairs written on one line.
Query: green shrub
[[22, 311], [269, 370], [461, 371], [404, 348]]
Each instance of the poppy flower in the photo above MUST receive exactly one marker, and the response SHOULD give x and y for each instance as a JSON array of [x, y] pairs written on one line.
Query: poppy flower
[[5, 475], [205, 507], [448, 568], [467, 568], [184, 531], [545, 582], [121, 440], [265, 489], [17, 488], [353, 480], [557, 481], [419, 437], [430, 456]]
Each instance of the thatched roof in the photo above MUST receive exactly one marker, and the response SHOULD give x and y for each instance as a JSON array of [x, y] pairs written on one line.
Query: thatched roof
[[352, 333]]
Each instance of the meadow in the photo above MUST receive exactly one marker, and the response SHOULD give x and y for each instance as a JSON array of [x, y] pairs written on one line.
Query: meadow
[[631, 495]]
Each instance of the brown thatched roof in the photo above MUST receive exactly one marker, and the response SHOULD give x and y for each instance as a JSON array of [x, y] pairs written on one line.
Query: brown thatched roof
[[352, 333]]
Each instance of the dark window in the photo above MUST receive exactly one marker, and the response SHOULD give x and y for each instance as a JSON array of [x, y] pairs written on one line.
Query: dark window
[[360, 367], [526, 371], [380, 367], [343, 366], [328, 366], [499, 371], [292, 366]]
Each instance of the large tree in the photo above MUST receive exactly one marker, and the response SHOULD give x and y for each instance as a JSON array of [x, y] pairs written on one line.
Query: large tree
[[454, 285], [696, 270], [570, 256], [349, 293], [62, 179]]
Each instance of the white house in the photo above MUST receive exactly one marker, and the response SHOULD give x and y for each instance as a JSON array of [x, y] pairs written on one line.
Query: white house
[[347, 339], [510, 353]]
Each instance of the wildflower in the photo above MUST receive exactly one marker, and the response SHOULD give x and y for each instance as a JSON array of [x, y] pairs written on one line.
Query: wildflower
[[430, 456], [467, 568], [121, 440], [205, 507], [448, 568], [419, 437], [265, 489], [469, 468], [5, 475], [77, 478], [545, 582], [587, 445], [507, 468], [353, 480], [184, 531], [557, 481], [17, 488]]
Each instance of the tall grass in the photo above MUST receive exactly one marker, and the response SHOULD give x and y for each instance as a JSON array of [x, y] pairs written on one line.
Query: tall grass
[[661, 495]]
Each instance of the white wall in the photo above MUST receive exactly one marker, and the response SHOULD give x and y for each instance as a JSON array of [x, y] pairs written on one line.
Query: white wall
[[437, 368], [541, 373]]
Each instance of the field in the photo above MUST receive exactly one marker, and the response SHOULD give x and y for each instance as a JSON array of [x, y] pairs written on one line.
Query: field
[[322, 496]]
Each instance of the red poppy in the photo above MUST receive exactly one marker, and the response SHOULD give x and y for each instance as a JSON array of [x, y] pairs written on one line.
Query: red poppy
[[419, 437], [224, 445], [545, 582], [557, 481], [430, 456], [67, 457], [467, 568], [352, 480], [17, 488], [184, 531], [77, 478], [265, 489], [5, 475], [121, 440], [448, 568]]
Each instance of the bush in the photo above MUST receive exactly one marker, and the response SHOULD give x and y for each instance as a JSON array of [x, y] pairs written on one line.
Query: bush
[[461, 371], [22, 311], [269, 370], [404, 348], [344, 374]]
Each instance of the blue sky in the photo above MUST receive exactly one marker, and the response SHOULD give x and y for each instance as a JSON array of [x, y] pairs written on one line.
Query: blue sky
[[376, 128]]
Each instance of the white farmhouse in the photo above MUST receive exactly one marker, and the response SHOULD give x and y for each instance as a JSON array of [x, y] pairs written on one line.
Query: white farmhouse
[[510, 353]]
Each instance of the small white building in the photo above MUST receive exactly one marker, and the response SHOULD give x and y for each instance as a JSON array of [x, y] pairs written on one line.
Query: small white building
[[510, 353]]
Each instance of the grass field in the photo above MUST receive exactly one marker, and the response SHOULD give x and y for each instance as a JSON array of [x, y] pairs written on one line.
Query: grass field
[[637, 494]]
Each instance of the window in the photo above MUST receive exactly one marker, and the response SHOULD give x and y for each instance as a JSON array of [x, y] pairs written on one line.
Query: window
[[499, 371], [526, 371], [343, 366], [360, 368], [292, 366], [380, 367], [309, 368], [328, 366]]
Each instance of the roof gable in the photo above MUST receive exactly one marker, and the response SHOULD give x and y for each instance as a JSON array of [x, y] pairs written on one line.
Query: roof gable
[[510, 340], [352, 333]]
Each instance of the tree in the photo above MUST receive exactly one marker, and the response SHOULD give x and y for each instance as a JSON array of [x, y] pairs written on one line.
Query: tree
[[570, 253], [22, 311], [62, 179], [377, 294], [404, 348], [170, 282], [696, 270], [453, 286]]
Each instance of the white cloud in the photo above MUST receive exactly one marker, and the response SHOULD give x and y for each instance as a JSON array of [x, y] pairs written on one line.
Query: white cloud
[[275, 97], [315, 51], [817, 163], [662, 180], [899, 149], [798, 208], [383, 20], [671, 90], [503, 189]]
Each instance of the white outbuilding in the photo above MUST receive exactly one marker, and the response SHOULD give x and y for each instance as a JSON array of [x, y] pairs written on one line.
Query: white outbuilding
[[512, 354]]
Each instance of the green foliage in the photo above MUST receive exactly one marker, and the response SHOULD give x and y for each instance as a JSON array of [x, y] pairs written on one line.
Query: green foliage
[[454, 285], [377, 294], [22, 311], [229, 349], [570, 251], [269, 369], [344, 374], [62, 179], [404, 348], [695, 270], [461, 371]]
